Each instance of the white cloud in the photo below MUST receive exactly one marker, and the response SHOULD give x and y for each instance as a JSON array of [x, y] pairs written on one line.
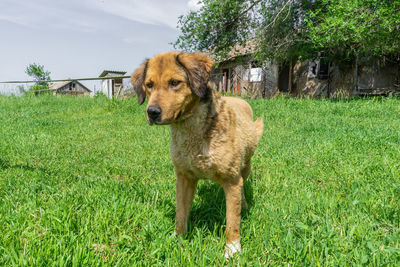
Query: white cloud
[[91, 15], [20, 20], [48, 14], [148, 12], [135, 40], [16, 12]]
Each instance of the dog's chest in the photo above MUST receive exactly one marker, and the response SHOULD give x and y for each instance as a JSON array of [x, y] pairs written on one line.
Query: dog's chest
[[190, 154]]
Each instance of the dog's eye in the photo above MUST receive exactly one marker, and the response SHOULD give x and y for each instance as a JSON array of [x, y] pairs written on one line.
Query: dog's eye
[[149, 85], [174, 83]]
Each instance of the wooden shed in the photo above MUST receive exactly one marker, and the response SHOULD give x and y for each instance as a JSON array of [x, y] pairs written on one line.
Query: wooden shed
[[240, 74], [69, 87], [112, 87]]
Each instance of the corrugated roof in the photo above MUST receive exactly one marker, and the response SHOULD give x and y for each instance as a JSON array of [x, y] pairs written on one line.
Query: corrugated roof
[[105, 72]]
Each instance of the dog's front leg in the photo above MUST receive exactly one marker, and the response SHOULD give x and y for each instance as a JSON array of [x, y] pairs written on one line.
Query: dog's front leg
[[185, 190], [233, 195]]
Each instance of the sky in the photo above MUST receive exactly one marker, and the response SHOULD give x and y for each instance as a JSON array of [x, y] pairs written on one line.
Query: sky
[[81, 38]]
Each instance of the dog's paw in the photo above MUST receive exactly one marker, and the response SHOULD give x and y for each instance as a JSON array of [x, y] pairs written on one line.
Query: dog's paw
[[175, 234], [178, 235], [232, 248]]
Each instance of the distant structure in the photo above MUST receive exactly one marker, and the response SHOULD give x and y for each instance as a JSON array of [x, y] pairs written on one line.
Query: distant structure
[[112, 87], [241, 73], [69, 87]]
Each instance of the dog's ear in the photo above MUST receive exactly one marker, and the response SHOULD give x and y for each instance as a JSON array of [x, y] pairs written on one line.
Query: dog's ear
[[198, 68], [137, 80]]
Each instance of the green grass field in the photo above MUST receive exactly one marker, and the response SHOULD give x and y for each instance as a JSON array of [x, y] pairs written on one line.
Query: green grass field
[[87, 182]]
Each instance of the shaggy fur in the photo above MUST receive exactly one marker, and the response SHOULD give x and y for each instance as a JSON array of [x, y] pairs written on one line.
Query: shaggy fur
[[212, 137]]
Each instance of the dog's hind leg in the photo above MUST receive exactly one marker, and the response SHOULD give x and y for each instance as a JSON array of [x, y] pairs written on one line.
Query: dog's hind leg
[[245, 174], [185, 190]]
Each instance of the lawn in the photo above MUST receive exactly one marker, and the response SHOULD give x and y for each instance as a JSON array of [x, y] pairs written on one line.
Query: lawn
[[87, 182]]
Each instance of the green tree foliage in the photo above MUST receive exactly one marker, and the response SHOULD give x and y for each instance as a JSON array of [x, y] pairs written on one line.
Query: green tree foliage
[[282, 31], [218, 24], [355, 28], [40, 75], [295, 29]]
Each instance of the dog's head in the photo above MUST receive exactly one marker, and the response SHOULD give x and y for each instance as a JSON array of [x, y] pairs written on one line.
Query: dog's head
[[174, 83]]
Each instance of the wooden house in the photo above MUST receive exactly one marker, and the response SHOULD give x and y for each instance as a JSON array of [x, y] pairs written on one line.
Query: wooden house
[[112, 87], [69, 87], [239, 73], [321, 78]]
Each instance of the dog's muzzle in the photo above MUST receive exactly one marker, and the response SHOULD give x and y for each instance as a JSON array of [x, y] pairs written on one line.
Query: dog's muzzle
[[154, 114]]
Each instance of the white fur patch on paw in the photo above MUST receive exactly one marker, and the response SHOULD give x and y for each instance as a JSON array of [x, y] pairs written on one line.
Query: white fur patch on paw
[[175, 234], [232, 248]]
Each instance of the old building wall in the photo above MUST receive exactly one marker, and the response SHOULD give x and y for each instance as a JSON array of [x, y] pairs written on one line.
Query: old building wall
[[73, 88], [246, 78], [377, 77], [306, 81], [341, 81], [372, 79], [313, 78]]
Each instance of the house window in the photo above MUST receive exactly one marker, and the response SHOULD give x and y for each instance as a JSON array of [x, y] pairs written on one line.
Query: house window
[[318, 68], [312, 68], [254, 73]]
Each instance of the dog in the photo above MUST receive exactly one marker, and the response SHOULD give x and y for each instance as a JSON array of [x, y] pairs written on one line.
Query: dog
[[212, 137]]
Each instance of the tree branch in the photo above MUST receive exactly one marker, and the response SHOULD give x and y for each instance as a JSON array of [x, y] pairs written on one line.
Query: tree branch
[[277, 15], [242, 13]]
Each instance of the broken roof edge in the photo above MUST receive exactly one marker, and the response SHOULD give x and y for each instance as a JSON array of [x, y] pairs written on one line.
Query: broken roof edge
[[248, 47]]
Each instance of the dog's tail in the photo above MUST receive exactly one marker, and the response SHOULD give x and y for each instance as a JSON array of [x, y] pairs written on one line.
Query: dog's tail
[[259, 128]]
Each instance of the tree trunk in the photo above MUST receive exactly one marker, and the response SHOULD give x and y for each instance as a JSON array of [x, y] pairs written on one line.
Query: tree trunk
[[355, 76], [290, 76]]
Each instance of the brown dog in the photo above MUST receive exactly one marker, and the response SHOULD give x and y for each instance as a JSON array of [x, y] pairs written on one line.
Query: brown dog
[[212, 137]]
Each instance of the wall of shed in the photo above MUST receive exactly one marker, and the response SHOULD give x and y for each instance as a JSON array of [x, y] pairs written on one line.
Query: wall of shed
[[379, 78], [238, 79], [372, 79], [233, 77], [68, 89], [106, 88]]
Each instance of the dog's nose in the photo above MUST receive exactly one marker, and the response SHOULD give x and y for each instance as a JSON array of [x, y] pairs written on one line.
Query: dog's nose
[[154, 112]]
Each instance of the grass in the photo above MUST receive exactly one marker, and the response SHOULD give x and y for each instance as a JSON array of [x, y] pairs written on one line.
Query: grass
[[88, 182]]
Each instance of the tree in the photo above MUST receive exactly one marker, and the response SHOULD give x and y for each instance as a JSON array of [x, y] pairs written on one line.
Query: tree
[[40, 75], [351, 30], [294, 29], [277, 27], [218, 25]]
